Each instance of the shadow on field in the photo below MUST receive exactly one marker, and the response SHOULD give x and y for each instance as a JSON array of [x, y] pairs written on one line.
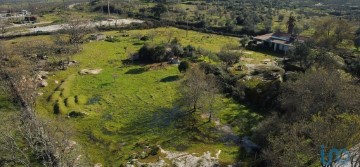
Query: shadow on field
[[170, 78], [136, 71]]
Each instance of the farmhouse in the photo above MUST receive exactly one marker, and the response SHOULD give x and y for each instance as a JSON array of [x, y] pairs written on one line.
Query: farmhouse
[[279, 41]]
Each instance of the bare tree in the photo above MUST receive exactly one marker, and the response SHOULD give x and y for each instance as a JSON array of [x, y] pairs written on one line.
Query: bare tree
[[194, 87], [3, 51], [76, 29], [4, 24], [34, 141], [210, 93]]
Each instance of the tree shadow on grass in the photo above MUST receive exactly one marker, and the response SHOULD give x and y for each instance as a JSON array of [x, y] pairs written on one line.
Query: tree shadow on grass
[[162, 124], [104, 85], [170, 78], [136, 71]]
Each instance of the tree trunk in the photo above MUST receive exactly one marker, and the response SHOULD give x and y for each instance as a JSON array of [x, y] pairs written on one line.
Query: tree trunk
[[210, 116]]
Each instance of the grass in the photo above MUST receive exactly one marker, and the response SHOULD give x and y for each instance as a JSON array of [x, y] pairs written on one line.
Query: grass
[[133, 107]]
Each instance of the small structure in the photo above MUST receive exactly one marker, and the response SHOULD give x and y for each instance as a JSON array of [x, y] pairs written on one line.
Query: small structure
[[280, 41], [25, 13]]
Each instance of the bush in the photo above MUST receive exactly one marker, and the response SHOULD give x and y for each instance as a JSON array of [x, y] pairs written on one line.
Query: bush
[[144, 38], [70, 102], [189, 51], [150, 55], [59, 107], [81, 99], [230, 58], [183, 66], [76, 114], [54, 96]]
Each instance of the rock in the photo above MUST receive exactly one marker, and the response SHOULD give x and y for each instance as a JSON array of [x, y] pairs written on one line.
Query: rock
[[43, 83], [56, 82], [72, 63], [247, 77], [98, 165], [90, 71], [266, 61], [44, 74], [192, 161], [40, 93]]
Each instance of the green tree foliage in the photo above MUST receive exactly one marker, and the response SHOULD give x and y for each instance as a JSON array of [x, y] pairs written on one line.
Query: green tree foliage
[[303, 54], [357, 39], [320, 108], [229, 58], [183, 66], [330, 32], [193, 88], [357, 43], [291, 23], [244, 41], [159, 9]]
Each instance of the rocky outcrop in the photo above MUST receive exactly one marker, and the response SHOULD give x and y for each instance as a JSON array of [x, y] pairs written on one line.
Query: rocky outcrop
[[90, 71], [181, 159]]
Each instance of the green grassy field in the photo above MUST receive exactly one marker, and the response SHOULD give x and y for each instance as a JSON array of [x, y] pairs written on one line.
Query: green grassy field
[[127, 106]]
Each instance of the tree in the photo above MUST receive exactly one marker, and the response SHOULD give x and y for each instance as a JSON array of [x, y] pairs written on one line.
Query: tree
[[357, 43], [330, 32], [244, 41], [76, 29], [304, 54], [291, 24], [357, 40], [3, 51], [194, 87], [183, 66], [229, 58], [281, 17], [4, 24], [158, 9], [317, 105], [210, 93]]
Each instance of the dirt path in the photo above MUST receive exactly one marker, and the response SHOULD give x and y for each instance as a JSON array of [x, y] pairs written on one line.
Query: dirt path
[[226, 131], [57, 27]]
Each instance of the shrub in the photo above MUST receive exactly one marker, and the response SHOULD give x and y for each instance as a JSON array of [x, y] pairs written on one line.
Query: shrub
[[81, 99], [70, 102], [150, 55], [76, 114], [54, 96], [144, 38], [229, 58], [59, 107], [189, 51], [183, 66]]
